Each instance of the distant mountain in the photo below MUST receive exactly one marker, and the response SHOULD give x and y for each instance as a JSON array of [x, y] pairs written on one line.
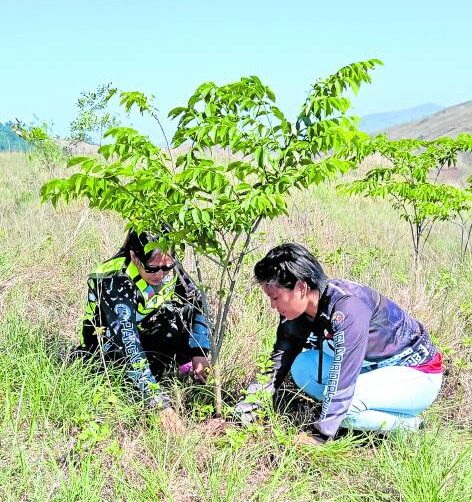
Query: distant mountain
[[376, 122], [447, 122]]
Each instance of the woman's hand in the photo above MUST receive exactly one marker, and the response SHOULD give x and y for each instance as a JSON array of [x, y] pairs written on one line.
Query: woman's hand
[[200, 365]]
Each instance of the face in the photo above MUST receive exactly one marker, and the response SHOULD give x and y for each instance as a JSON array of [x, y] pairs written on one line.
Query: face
[[158, 260], [290, 303]]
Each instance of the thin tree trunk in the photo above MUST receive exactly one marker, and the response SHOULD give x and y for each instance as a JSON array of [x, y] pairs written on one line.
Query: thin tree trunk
[[465, 239], [218, 393], [217, 341]]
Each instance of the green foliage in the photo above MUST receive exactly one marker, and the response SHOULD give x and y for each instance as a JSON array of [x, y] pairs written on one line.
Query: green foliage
[[94, 118], [409, 181], [204, 201], [236, 438], [426, 467], [92, 434]]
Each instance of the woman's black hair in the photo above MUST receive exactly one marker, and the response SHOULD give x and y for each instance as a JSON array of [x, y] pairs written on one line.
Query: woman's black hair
[[288, 263], [137, 242]]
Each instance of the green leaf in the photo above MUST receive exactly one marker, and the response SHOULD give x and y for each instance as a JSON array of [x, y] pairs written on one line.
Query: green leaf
[[175, 112], [77, 160], [182, 213], [196, 216]]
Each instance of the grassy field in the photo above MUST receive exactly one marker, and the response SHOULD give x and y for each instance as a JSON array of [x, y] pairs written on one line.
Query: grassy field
[[70, 433]]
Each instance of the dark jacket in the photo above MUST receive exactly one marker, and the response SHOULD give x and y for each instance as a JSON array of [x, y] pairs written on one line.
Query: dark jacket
[[123, 311], [363, 326]]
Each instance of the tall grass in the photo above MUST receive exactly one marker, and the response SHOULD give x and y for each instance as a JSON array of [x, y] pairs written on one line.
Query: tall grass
[[69, 432]]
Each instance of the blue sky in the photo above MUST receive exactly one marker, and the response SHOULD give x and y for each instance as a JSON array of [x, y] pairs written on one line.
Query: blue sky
[[52, 50]]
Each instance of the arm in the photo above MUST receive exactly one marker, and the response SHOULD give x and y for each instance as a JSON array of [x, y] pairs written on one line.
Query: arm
[[198, 340], [286, 349], [199, 344], [350, 325]]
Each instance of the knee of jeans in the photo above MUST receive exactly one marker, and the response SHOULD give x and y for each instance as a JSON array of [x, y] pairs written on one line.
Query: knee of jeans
[[305, 378], [302, 369]]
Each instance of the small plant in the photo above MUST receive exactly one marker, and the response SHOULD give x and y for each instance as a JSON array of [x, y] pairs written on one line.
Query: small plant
[[235, 438], [92, 433], [410, 182], [104, 396], [259, 394], [201, 412]]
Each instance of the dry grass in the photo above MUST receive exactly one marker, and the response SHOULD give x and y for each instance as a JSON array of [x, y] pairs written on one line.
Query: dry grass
[[45, 256]]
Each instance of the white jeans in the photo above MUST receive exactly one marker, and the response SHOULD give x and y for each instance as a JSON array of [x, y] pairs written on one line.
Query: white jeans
[[384, 399]]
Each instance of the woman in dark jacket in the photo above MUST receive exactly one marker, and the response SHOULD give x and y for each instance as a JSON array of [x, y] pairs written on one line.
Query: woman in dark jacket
[[144, 311], [372, 366]]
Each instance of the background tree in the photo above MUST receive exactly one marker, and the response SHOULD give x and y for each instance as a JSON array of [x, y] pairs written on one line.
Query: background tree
[[94, 118], [410, 182], [216, 207], [47, 152]]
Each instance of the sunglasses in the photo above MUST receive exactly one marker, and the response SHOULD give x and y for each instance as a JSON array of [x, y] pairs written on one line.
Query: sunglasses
[[153, 269]]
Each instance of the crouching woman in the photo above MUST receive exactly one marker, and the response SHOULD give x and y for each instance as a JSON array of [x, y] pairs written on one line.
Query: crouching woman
[[145, 312], [372, 366]]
